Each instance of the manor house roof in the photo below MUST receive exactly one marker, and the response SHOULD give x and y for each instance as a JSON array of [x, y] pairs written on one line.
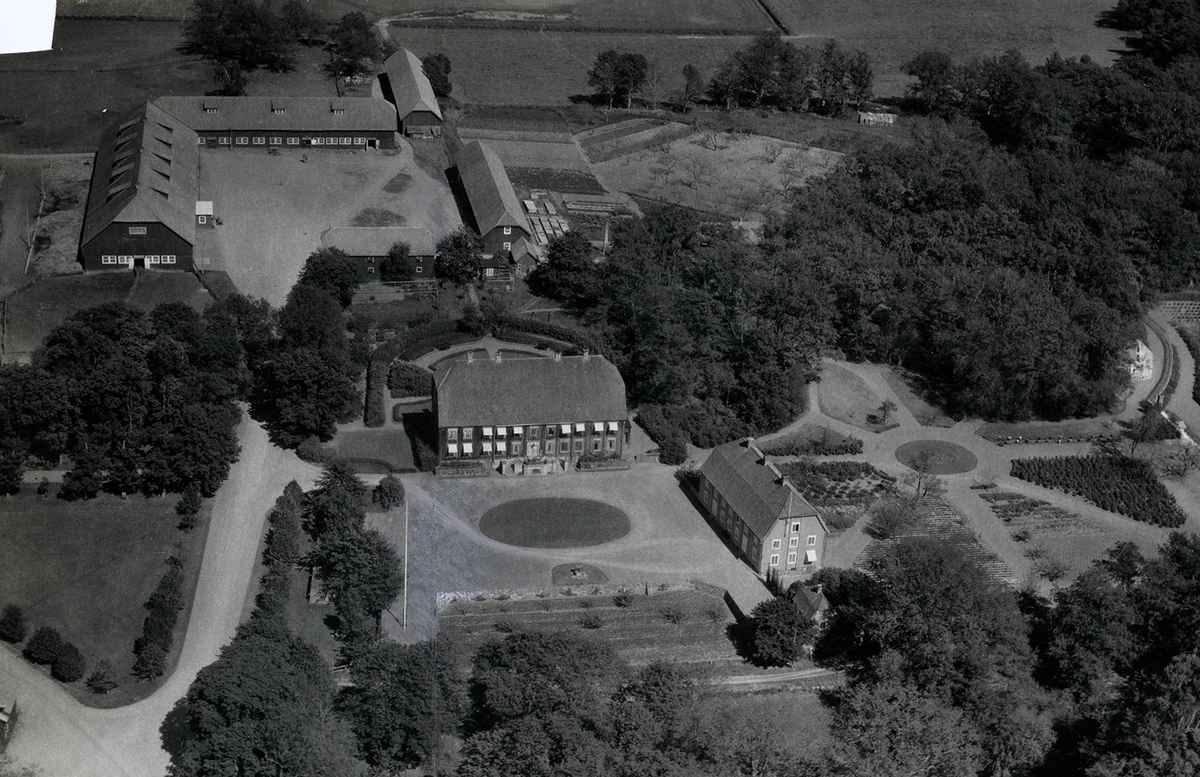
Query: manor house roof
[[519, 391]]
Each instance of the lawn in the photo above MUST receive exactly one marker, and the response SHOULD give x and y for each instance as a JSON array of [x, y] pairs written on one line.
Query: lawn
[[549, 522], [846, 397], [936, 457], [376, 451], [905, 386], [86, 569]]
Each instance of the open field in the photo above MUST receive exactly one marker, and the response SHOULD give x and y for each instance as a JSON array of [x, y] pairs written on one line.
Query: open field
[[98, 71], [30, 314], [740, 176], [846, 397], [65, 181], [274, 208], [86, 569]]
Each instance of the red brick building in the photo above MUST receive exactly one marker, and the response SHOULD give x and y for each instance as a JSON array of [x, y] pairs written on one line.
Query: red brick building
[[773, 527]]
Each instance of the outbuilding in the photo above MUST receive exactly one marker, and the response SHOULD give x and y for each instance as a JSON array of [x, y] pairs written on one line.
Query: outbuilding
[[498, 213], [342, 123], [407, 88], [369, 246]]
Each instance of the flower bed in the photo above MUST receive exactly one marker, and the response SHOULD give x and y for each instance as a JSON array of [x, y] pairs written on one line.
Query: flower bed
[[468, 468], [1117, 484]]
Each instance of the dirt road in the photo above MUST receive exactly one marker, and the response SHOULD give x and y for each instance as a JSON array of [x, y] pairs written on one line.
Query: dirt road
[[67, 739]]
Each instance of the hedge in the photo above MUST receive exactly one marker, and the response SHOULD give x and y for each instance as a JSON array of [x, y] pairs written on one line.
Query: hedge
[[568, 335], [1193, 344], [706, 425], [381, 361], [408, 380], [817, 441], [1115, 483]]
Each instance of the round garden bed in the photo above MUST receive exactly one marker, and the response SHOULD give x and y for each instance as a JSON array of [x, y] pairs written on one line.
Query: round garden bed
[[554, 523], [936, 457]]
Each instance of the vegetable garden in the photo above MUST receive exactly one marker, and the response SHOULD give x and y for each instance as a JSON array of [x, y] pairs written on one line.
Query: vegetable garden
[[1118, 484]]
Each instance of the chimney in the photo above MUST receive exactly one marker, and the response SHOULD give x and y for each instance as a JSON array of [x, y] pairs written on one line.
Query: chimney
[[470, 356], [557, 356], [497, 357], [585, 354]]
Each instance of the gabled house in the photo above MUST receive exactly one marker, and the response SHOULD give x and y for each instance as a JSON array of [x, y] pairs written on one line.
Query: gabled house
[[811, 604], [342, 123], [141, 207], [534, 410], [406, 87], [772, 526], [369, 246], [498, 213]]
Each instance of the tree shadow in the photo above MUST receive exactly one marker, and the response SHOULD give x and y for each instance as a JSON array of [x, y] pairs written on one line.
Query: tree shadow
[[741, 636]]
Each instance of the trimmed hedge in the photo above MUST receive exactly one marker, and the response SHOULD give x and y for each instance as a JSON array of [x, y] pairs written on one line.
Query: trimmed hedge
[[1118, 484], [705, 424], [819, 441], [158, 629], [408, 380], [1193, 344], [381, 362], [578, 337]]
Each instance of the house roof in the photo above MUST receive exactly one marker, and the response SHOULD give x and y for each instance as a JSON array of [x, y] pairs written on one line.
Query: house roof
[[488, 188], [299, 114], [147, 169], [534, 390], [525, 247], [753, 487], [410, 87], [809, 603], [377, 241]]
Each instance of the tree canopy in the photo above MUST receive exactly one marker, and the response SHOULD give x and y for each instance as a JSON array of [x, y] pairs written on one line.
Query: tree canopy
[[618, 75], [459, 256], [237, 31], [354, 46], [437, 69]]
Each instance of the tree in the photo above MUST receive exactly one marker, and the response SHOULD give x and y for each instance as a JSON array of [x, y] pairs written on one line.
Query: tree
[[12, 624], [934, 90], [780, 632], [299, 22], [332, 270], [188, 507], [69, 665], [617, 75], [388, 493], [102, 679], [725, 87], [693, 86], [301, 393], [230, 78], [437, 69], [396, 266], [240, 31], [43, 646], [12, 465], [353, 47], [459, 256], [568, 274], [758, 65]]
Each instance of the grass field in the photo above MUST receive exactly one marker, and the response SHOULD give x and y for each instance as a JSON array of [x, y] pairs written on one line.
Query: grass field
[[937, 457], [554, 523], [86, 569], [846, 397], [376, 451]]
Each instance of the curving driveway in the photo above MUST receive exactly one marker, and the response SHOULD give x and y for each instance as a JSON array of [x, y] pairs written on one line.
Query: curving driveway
[[67, 739]]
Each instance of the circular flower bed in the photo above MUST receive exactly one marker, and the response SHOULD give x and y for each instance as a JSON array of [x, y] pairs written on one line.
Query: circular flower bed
[[936, 457]]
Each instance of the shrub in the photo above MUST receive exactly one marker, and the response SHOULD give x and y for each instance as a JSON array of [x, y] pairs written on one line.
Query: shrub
[[890, 518], [188, 507], [12, 624], [409, 380], [314, 452], [673, 614], [388, 493], [427, 459], [43, 646], [69, 665], [102, 679], [1193, 344], [505, 626], [151, 662], [591, 621], [623, 600], [673, 450]]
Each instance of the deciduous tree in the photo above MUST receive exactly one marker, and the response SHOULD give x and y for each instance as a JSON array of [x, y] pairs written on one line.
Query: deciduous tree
[[780, 632], [437, 69], [12, 624], [459, 256], [240, 31], [353, 46]]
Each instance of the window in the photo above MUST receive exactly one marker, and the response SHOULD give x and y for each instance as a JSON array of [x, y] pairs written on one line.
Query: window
[[579, 446], [796, 526], [810, 556], [792, 559], [515, 447], [563, 446], [137, 230], [202, 219], [452, 434], [490, 271], [360, 141], [371, 270], [277, 111], [242, 140], [596, 445], [774, 559], [168, 259], [200, 141], [125, 260], [152, 260], [611, 444], [549, 432], [793, 542], [533, 449], [420, 269], [108, 259], [775, 544], [535, 432], [259, 141], [276, 141], [293, 141], [468, 448], [223, 141], [318, 141], [208, 109], [508, 230], [468, 432], [452, 449], [344, 141], [338, 111], [508, 246]]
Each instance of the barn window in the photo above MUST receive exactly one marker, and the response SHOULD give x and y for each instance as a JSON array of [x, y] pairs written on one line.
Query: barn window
[[137, 230], [169, 259], [260, 141], [508, 246], [152, 260], [371, 270], [344, 141], [293, 141], [202, 219], [508, 230], [242, 140], [318, 141], [276, 141], [223, 141], [490, 271], [108, 259], [420, 269], [200, 140], [360, 141]]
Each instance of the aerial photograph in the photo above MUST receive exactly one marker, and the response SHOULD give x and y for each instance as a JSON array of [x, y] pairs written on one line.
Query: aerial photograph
[[600, 388]]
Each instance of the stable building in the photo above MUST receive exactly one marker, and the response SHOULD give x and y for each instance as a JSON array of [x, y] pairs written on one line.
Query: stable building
[[498, 213], [407, 88], [141, 207], [343, 123], [529, 412], [369, 246], [771, 525]]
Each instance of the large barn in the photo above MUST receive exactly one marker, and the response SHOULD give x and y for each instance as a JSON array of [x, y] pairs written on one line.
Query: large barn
[[369, 246], [545, 411], [498, 213], [141, 208], [774, 528], [345, 123], [405, 85]]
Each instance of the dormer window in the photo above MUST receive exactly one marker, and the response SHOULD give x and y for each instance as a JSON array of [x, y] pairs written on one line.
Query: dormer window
[[209, 109], [277, 111], [338, 111]]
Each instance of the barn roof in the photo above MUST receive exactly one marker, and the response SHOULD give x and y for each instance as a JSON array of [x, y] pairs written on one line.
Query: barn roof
[[295, 114], [410, 86], [147, 169], [377, 241], [534, 390], [753, 487], [488, 188]]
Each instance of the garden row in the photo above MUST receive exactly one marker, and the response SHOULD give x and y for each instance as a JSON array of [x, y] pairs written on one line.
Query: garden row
[[838, 483], [1115, 483]]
